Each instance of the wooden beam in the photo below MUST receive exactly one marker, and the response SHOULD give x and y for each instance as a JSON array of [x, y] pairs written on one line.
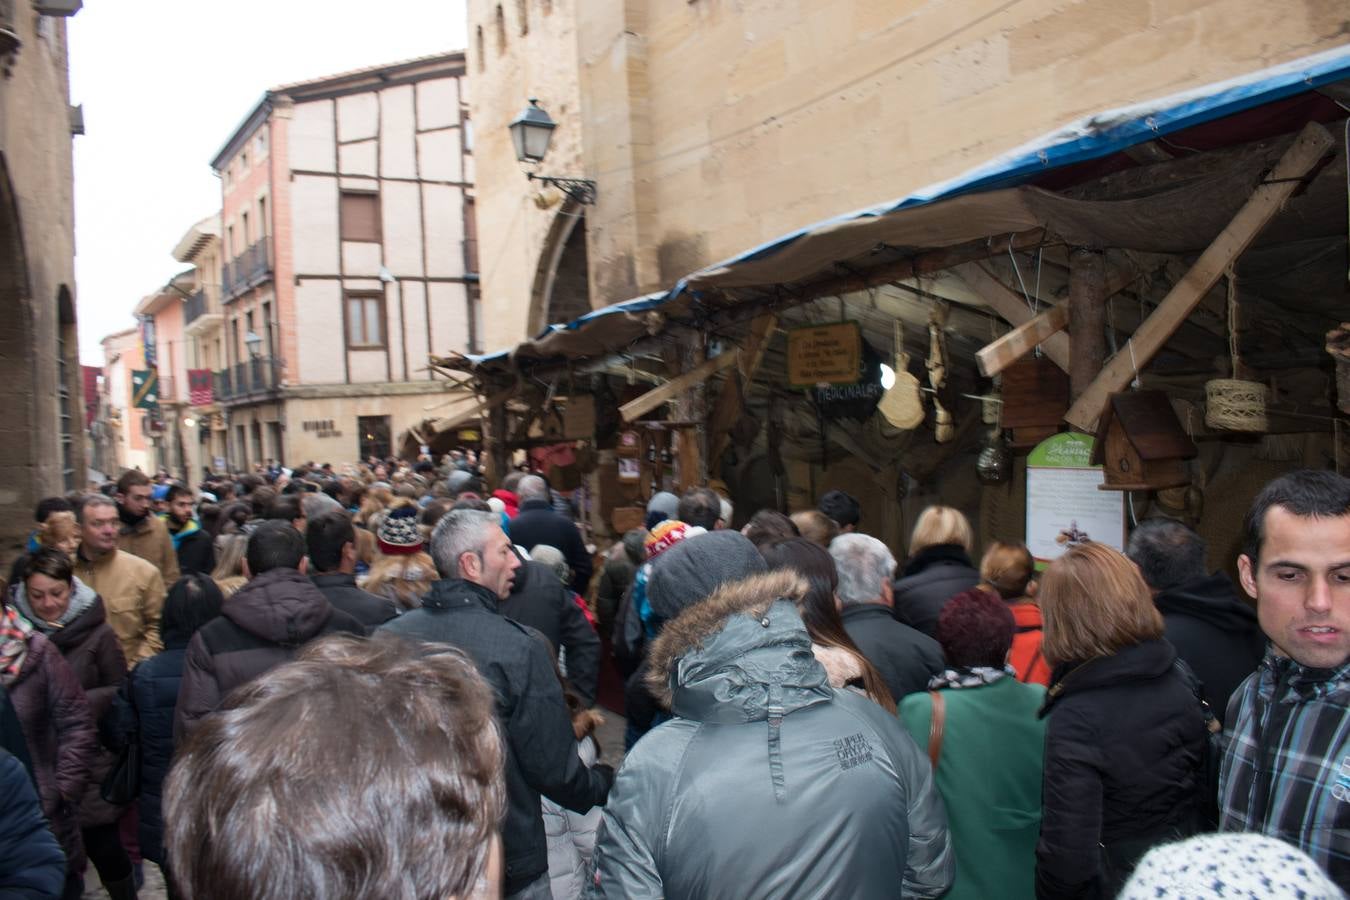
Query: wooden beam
[[730, 403], [1012, 306], [649, 401], [1087, 317], [1005, 351], [1313, 143]]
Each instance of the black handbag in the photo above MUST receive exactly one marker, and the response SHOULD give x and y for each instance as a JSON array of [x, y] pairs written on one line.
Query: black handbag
[[123, 782]]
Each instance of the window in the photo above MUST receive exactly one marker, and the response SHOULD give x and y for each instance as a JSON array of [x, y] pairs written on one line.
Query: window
[[501, 30], [360, 217], [243, 224], [374, 432], [523, 13], [243, 161], [468, 133], [260, 143], [262, 217], [365, 321], [478, 41]]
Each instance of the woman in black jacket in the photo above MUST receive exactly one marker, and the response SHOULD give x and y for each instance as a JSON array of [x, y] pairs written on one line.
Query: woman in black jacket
[[938, 567], [144, 708], [1126, 733]]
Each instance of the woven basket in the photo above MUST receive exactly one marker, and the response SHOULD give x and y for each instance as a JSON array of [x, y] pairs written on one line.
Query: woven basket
[[1235, 405]]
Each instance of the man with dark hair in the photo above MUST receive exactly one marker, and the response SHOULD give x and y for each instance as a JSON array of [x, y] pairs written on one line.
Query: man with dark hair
[[537, 523], [131, 588], [262, 626], [331, 539], [288, 508], [1286, 767], [842, 508], [327, 744], [700, 506], [1214, 632], [143, 534], [193, 546], [477, 566]]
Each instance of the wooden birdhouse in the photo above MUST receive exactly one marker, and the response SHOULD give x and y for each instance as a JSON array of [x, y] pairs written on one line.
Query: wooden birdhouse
[[1035, 397], [1141, 445]]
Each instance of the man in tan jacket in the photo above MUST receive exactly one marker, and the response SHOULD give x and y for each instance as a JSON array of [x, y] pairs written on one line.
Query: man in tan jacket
[[131, 588], [144, 534]]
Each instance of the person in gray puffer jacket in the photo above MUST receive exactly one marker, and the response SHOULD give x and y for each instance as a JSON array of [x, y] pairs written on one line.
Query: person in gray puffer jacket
[[767, 782]]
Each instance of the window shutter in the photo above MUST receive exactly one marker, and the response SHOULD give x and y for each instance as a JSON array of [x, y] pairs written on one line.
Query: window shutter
[[361, 217]]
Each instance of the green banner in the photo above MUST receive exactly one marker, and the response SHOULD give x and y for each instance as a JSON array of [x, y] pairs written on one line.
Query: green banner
[[145, 388]]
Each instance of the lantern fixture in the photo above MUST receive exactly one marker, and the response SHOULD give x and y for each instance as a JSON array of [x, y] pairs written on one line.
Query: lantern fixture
[[531, 133]]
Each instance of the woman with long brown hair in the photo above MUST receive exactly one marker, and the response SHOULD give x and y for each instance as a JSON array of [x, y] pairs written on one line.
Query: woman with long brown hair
[[833, 648], [1126, 730]]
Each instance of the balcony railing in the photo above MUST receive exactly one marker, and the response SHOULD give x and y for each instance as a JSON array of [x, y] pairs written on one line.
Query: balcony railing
[[248, 270], [247, 379], [197, 306]]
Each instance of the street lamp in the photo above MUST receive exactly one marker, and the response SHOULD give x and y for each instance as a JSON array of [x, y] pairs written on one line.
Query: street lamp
[[253, 343], [531, 132]]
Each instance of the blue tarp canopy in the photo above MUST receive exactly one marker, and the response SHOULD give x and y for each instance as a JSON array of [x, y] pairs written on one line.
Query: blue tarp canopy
[[1031, 187]]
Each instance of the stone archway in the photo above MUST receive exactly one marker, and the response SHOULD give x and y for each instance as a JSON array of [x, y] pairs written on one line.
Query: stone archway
[[561, 290], [19, 484]]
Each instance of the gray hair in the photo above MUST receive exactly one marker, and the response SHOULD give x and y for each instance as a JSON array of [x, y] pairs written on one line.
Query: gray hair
[[531, 487], [864, 564], [458, 532], [554, 559], [89, 500], [314, 505]]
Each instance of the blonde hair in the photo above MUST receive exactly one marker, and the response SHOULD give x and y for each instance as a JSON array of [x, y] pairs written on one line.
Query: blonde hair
[[60, 526], [1008, 569], [1095, 603], [941, 525], [404, 578], [815, 526], [229, 571]]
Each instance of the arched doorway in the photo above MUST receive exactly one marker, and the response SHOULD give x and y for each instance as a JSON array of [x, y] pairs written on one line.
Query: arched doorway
[[561, 290], [18, 431]]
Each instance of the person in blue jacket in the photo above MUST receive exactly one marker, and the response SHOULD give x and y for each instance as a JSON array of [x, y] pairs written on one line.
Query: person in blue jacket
[[144, 708], [32, 866]]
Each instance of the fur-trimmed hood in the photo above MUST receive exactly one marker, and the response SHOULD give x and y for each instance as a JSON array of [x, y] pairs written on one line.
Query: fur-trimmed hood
[[739, 653]]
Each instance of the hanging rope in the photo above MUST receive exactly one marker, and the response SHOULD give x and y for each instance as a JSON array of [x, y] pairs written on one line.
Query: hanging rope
[[1233, 352]]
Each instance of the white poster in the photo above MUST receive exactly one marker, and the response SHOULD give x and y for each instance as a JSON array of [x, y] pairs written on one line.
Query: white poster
[[1064, 506]]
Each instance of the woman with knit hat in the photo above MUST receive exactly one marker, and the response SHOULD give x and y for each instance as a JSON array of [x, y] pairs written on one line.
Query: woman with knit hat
[[402, 571]]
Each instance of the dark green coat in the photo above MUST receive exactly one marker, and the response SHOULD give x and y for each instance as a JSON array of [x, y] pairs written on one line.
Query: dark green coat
[[989, 776]]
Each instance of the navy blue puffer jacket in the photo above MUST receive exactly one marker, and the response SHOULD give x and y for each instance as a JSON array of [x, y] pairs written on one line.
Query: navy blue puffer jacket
[[147, 698]]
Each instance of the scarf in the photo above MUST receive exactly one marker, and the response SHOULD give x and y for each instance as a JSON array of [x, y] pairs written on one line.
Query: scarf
[[14, 634], [131, 522], [192, 527], [976, 676], [81, 598]]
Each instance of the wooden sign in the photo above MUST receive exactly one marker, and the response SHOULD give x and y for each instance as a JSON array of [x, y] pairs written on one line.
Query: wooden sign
[[824, 354]]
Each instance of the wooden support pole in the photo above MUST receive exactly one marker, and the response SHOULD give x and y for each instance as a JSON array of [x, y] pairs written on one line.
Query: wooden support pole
[[635, 409], [1312, 144], [730, 405], [1087, 317], [997, 356], [1012, 306]]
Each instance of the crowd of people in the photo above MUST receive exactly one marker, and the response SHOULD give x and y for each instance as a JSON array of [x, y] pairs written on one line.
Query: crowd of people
[[387, 682]]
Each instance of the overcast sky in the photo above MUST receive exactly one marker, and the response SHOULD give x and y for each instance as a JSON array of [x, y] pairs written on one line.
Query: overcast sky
[[164, 83]]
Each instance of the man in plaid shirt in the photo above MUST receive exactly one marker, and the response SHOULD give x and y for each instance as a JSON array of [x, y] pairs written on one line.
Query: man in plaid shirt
[[1286, 770]]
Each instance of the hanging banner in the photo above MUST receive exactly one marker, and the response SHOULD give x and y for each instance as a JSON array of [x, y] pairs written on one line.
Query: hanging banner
[[145, 388], [824, 354], [1064, 506], [200, 392], [148, 341]]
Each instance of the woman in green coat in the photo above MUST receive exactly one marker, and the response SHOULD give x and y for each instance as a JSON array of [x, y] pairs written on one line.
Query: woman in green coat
[[987, 751]]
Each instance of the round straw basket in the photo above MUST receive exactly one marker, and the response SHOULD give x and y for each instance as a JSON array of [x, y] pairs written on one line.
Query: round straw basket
[[1234, 405]]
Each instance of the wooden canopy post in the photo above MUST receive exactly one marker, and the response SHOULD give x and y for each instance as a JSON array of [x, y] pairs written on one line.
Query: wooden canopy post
[[730, 404], [1087, 317], [499, 455], [1312, 144]]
